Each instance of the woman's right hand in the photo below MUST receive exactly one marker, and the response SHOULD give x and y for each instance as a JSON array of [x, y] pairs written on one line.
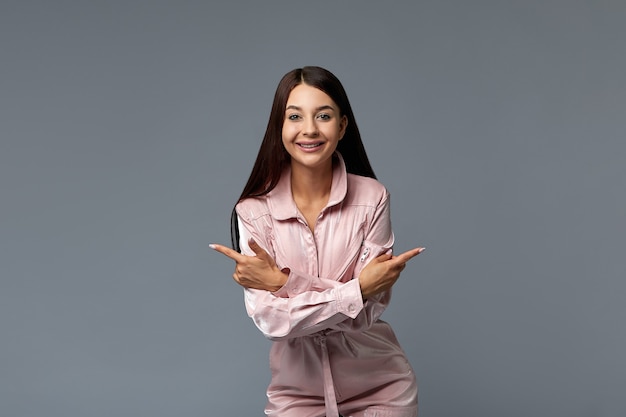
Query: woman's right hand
[[257, 272], [382, 272]]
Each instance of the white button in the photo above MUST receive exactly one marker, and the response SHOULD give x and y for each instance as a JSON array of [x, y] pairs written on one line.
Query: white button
[[351, 308]]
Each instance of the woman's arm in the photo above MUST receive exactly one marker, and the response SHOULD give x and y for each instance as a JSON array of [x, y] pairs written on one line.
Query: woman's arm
[[306, 304], [299, 314], [286, 304]]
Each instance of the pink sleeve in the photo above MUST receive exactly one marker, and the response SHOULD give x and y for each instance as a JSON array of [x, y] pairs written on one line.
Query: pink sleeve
[[300, 314], [307, 304]]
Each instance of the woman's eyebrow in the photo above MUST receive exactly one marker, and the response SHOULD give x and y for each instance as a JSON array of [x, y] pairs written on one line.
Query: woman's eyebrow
[[324, 107]]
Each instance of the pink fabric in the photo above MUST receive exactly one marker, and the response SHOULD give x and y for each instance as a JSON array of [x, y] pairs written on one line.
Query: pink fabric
[[331, 352]]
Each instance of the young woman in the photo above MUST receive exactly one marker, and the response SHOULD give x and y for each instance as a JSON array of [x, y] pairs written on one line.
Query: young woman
[[313, 228]]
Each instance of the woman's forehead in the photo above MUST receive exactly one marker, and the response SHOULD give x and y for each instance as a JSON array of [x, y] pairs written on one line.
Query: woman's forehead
[[304, 95]]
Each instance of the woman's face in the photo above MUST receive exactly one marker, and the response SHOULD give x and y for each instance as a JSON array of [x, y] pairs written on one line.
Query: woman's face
[[312, 128]]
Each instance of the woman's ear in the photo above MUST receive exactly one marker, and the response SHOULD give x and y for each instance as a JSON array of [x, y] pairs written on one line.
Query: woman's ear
[[343, 125]]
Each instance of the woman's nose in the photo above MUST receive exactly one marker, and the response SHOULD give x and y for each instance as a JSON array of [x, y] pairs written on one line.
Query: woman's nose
[[310, 128]]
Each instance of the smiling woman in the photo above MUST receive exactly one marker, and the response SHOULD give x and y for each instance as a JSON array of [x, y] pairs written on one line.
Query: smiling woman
[[312, 244]]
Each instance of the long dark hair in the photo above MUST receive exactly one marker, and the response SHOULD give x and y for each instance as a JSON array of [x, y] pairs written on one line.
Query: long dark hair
[[272, 158]]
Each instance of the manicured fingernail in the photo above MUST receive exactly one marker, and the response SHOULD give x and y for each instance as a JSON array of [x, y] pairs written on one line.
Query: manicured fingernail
[[421, 250], [212, 245]]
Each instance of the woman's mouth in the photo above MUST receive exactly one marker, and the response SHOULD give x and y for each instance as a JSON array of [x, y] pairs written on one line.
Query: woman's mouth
[[310, 146]]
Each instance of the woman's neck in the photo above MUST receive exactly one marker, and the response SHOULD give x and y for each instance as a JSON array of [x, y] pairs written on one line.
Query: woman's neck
[[311, 190], [311, 186]]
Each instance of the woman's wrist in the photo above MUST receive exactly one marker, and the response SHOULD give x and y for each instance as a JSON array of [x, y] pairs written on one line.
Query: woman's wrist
[[280, 279]]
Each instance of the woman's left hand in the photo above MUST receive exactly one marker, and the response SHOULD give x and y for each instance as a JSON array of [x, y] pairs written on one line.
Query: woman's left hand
[[382, 272], [257, 272]]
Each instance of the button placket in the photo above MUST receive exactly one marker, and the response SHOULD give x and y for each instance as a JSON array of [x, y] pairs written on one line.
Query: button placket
[[310, 249]]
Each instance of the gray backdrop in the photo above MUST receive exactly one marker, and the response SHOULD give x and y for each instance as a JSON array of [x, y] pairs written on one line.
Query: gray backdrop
[[129, 128]]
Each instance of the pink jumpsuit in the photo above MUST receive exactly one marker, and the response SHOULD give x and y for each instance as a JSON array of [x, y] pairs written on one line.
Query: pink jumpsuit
[[331, 353]]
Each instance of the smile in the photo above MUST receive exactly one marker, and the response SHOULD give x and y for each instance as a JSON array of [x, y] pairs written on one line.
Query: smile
[[310, 145]]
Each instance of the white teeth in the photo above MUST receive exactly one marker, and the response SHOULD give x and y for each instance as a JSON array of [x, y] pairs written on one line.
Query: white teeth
[[314, 145]]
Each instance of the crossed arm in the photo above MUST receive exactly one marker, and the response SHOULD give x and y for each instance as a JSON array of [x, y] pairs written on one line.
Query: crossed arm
[[261, 272]]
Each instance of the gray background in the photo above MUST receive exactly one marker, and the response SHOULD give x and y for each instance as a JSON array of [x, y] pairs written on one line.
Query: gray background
[[129, 128]]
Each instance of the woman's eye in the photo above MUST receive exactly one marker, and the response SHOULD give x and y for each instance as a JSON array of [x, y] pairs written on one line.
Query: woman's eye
[[324, 116], [293, 117]]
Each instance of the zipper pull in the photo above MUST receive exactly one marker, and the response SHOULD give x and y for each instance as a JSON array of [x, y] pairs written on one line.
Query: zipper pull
[[365, 253]]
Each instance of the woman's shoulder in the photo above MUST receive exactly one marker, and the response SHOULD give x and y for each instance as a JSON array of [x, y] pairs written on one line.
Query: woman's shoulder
[[252, 208], [365, 190]]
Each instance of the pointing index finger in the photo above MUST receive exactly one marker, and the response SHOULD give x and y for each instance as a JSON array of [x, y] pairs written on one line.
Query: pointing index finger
[[406, 256], [232, 254]]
